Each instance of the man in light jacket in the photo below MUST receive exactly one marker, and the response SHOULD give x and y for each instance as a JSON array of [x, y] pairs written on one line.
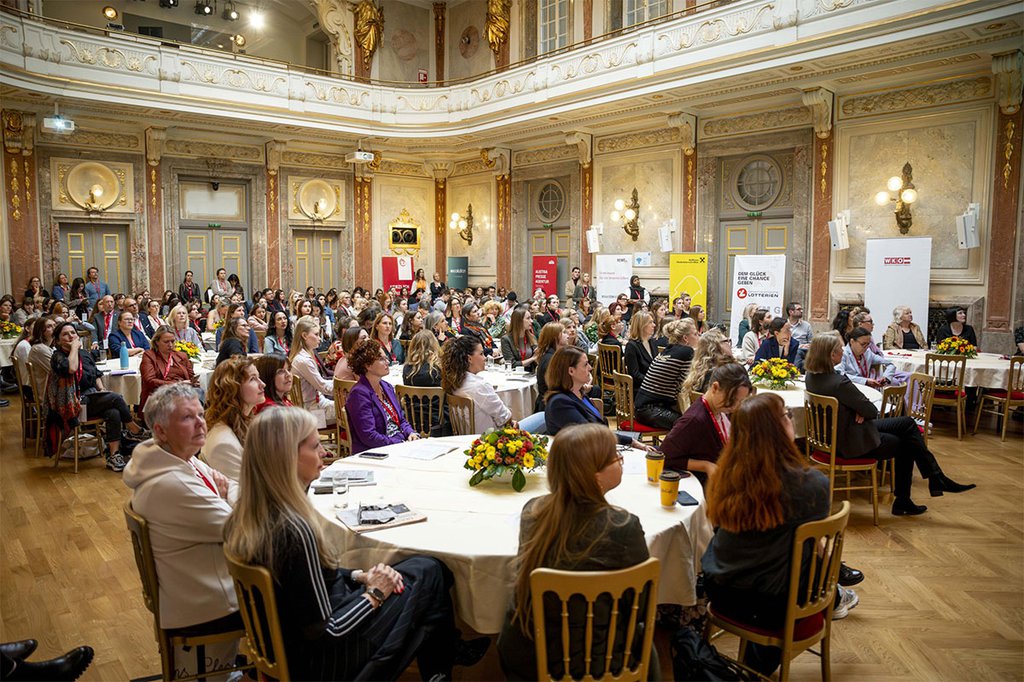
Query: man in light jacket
[[186, 504]]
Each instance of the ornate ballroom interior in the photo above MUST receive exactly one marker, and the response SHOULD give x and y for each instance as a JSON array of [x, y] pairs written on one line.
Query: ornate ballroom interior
[[538, 113]]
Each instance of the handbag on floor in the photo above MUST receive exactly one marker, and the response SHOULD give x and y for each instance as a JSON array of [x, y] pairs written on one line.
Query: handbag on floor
[[695, 659]]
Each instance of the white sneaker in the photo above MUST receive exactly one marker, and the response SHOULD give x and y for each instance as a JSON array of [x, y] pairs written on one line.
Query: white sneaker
[[847, 600]]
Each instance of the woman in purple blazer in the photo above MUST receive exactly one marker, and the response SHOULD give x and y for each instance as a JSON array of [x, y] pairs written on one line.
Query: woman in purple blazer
[[375, 416]]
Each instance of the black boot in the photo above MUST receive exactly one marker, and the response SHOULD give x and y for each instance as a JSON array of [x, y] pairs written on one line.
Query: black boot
[[904, 506], [20, 650], [940, 483], [70, 666]]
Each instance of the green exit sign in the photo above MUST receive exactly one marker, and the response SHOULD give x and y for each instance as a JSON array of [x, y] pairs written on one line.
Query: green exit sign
[[213, 224], [750, 214]]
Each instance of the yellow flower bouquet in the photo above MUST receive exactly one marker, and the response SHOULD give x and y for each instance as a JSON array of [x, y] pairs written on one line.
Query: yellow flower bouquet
[[8, 329], [955, 345], [189, 349], [774, 373], [503, 451]]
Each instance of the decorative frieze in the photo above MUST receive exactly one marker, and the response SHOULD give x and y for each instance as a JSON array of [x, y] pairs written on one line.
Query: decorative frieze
[[314, 160], [392, 167], [648, 138], [96, 140], [535, 157], [471, 166], [777, 119], [932, 95], [198, 149]]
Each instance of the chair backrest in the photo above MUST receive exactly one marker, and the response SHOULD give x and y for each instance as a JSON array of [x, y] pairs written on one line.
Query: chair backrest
[[138, 527], [295, 395], [821, 416], [812, 583], [20, 372], [322, 355], [635, 587], [892, 401], [341, 431], [405, 344], [623, 387], [920, 398], [595, 369], [1015, 379], [948, 370], [609, 357], [257, 605], [462, 414], [342, 387], [598, 404], [423, 406], [260, 336]]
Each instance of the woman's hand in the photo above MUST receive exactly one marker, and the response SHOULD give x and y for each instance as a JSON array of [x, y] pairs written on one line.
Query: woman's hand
[[859, 419], [413, 436], [873, 383], [637, 445], [385, 579]]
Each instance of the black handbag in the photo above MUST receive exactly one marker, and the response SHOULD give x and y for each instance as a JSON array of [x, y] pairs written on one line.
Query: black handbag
[[695, 659]]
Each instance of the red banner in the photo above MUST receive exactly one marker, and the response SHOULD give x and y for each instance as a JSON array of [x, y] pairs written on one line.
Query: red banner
[[397, 271], [545, 274]]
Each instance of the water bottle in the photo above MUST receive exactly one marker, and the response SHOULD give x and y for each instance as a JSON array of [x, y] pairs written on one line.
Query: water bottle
[[124, 356]]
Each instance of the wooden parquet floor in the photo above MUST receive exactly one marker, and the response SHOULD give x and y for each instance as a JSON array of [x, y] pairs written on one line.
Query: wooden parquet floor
[[943, 598]]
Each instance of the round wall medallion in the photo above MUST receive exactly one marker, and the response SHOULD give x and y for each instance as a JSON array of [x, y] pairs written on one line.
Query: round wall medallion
[[93, 186], [317, 199], [405, 45], [469, 42]]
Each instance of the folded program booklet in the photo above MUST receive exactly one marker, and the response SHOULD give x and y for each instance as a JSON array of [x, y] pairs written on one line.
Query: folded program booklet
[[356, 477], [364, 519]]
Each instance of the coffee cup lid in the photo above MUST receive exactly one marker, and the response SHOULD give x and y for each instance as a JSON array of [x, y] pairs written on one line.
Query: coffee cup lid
[[655, 455], [670, 476]]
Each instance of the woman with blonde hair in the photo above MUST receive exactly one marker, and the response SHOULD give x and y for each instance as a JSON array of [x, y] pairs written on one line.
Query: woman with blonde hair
[[552, 337], [313, 377], [657, 399], [640, 348], [235, 390], [519, 345], [903, 333], [338, 624], [573, 528], [178, 321], [713, 350], [744, 325]]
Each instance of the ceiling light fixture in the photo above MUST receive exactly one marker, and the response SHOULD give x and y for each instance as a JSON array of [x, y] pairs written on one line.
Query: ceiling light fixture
[[257, 20], [110, 13], [203, 8], [168, 3], [238, 40], [230, 12]]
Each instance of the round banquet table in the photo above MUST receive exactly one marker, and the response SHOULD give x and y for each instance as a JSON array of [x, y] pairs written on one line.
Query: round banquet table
[[6, 349], [475, 531], [130, 385], [989, 370], [517, 390], [794, 398]]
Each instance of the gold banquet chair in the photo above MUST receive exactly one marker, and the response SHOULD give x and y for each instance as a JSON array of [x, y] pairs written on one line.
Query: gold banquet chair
[[949, 371], [167, 639], [633, 589], [893, 398], [812, 591], [1010, 398], [30, 410], [419, 404], [342, 387], [462, 414], [258, 605]]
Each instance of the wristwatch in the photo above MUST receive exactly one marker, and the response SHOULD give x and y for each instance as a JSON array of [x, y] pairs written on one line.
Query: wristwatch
[[376, 593]]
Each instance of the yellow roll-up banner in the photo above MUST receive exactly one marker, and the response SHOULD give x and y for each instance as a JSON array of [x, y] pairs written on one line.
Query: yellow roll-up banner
[[688, 273]]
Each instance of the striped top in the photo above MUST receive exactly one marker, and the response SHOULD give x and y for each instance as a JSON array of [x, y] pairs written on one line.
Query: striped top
[[665, 377]]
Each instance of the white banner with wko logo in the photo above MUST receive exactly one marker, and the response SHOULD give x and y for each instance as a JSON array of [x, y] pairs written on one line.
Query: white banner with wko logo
[[760, 280], [896, 273]]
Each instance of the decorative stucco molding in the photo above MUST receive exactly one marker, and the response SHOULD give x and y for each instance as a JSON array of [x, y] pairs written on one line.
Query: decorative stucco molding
[[820, 102], [649, 138], [935, 94], [1008, 70], [776, 119]]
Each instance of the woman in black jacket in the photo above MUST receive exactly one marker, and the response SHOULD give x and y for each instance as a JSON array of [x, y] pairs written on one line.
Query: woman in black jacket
[[640, 349], [423, 368], [568, 397], [863, 435], [956, 325]]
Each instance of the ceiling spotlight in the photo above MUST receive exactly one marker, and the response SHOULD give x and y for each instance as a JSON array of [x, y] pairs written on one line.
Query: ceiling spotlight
[[230, 13], [238, 40], [168, 3], [257, 20], [110, 13], [204, 8]]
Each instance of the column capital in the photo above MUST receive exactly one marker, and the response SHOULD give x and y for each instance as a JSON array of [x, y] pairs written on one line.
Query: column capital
[[820, 101], [584, 146], [156, 138], [1008, 69], [687, 125]]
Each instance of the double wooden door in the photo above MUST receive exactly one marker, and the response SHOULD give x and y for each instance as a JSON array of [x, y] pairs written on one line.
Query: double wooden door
[[752, 236], [204, 251], [101, 246]]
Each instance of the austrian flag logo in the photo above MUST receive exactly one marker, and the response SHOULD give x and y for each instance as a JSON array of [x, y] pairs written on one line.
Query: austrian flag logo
[[897, 260]]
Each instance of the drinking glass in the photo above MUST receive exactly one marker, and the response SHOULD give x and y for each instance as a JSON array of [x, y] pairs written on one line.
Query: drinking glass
[[339, 488]]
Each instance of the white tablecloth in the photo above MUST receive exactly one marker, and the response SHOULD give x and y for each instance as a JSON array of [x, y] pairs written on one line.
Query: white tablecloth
[[517, 390], [988, 369], [794, 398], [130, 385], [475, 531], [6, 350]]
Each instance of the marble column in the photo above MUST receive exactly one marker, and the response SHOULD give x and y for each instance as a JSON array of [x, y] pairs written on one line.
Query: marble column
[[504, 238], [689, 200], [362, 65], [1005, 213], [441, 227], [588, 20], [19, 201], [821, 244], [362, 247], [273, 179], [439, 45], [587, 214]]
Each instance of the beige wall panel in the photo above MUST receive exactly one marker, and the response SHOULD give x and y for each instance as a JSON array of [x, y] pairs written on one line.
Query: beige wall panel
[[483, 255], [471, 56], [408, 39], [391, 195]]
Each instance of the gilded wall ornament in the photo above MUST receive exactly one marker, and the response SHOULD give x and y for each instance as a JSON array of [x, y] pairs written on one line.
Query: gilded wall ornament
[[497, 25], [369, 28], [404, 235]]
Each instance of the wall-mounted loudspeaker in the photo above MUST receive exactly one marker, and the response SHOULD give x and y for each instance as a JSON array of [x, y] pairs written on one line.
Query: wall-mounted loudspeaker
[[838, 231], [967, 228]]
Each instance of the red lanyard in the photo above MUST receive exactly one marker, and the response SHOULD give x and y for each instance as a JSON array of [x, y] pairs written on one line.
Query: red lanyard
[[128, 337], [203, 478], [719, 427], [387, 349], [862, 364], [167, 369], [283, 343], [388, 407], [522, 350]]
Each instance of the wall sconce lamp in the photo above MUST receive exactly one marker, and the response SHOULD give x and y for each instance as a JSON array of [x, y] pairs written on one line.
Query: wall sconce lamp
[[464, 226], [629, 214], [905, 196]]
